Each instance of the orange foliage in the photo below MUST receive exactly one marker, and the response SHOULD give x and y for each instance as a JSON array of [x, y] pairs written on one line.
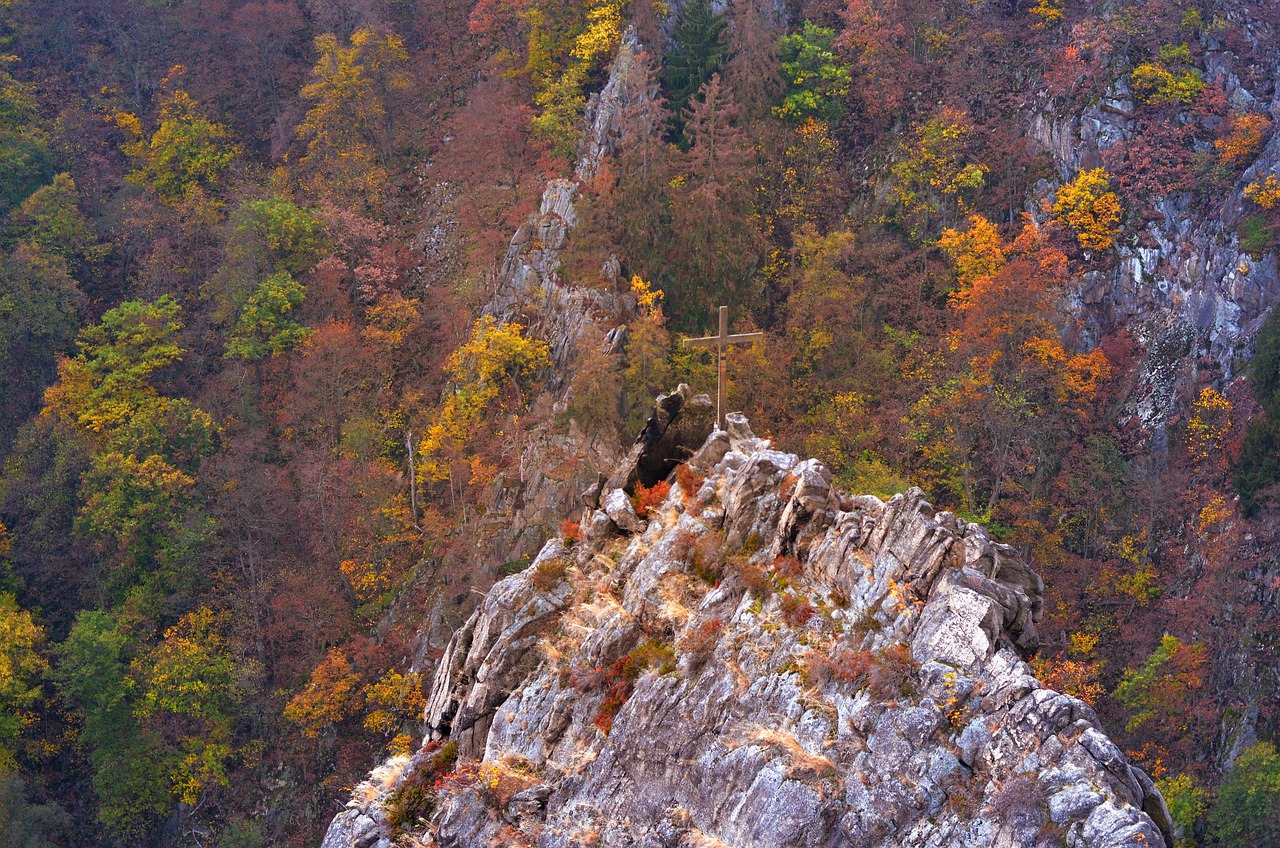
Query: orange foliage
[[646, 498], [332, 696], [1243, 139], [570, 531]]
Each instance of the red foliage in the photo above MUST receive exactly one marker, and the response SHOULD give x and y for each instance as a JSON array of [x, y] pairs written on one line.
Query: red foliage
[[701, 641], [619, 681], [787, 567], [1155, 163], [689, 481], [850, 665], [796, 610], [570, 530], [650, 497]]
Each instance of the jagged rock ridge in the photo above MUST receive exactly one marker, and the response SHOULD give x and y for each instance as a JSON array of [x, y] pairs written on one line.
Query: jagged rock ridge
[[764, 661]]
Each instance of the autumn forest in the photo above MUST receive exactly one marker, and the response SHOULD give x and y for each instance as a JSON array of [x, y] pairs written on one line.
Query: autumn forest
[[268, 422]]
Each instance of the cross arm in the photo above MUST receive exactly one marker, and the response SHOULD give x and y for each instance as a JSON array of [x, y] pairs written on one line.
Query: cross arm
[[716, 341]]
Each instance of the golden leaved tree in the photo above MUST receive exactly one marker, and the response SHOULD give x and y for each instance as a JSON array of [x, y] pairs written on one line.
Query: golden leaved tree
[[489, 377]]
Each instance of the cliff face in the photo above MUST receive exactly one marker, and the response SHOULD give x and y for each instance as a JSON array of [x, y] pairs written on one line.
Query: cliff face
[[761, 660], [1183, 285]]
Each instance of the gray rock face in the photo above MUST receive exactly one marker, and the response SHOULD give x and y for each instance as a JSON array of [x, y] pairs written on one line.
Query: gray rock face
[[680, 423], [1183, 285], [528, 284], [766, 662]]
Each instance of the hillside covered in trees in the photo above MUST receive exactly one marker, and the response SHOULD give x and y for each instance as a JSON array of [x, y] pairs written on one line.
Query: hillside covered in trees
[[316, 316]]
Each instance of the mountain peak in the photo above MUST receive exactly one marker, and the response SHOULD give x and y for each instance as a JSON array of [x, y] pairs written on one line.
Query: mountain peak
[[756, 659]]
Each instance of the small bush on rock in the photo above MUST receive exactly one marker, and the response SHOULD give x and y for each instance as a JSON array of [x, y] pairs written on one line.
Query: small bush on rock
[[647, 498], [796, 610], [891, 675], [548, 573], [415, 798]]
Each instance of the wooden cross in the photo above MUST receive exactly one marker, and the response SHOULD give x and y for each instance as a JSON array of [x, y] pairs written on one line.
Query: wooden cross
[[721, 342]]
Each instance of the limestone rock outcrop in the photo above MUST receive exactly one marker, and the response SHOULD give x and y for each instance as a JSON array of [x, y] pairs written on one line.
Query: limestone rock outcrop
[[1184, 285], [760, 660]]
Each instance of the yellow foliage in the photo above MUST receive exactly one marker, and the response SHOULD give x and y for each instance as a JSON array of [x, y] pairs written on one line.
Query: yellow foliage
[[1266, 193], [648, 298], [346, 127], [1083, 644], [487, 374], [975, 253], [395, 699], [1049, 12], [21, 668], [1243, 140], [1212, 516], [389, 321], [1209, 426], [603, 32], [187, 153], [1072, 677], [1090, 208], [331, 696], [931, 174]]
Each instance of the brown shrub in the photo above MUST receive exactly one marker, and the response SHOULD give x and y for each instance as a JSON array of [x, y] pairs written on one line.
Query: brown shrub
[[548, 573], [699, 643], [796, 610], [758, 581], [850, 665], [787, 567], [891, 674]]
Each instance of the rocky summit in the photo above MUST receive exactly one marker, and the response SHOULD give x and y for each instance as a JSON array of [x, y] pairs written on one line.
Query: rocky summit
[[754, 658]]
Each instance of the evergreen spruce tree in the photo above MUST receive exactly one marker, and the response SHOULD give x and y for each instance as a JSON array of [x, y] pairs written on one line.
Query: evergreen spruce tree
[[695, 57], [1258, 467]]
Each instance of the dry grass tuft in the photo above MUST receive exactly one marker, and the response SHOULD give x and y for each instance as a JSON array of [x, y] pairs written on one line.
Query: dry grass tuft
[[803, 765]]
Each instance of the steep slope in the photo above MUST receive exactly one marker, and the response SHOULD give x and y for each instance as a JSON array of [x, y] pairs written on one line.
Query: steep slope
[[760, 660], [1184, 282]]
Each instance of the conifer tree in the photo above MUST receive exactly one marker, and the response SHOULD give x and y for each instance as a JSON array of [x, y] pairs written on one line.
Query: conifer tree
[[752, 71], [696, 56]]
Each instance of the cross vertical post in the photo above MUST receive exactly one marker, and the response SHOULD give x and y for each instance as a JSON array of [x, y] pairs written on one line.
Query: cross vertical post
[[720, 342]]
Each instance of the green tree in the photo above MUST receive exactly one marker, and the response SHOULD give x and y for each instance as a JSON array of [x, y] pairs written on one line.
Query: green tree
[[39, 314], [1258, 467], [26, 160], [92, 676], [22, 669], [108, 382], [694, 58], [187, 150], [1246, 811], [817, 81], [288, 237], [136, 513], [188, 686], [27, 825], [51, 222], [558, 123], [264, 327]]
